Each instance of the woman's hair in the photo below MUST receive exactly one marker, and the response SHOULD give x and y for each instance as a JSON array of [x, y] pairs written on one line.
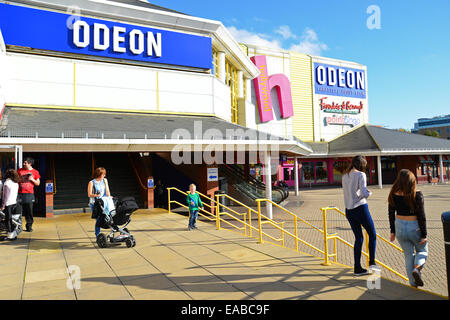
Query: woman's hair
[[406, 184], [359, 163], [98, 172], [13, 175]]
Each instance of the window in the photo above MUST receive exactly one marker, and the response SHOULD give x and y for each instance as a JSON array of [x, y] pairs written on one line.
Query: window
[[216, 67], [233, 82], [321, 171], [308, 172]]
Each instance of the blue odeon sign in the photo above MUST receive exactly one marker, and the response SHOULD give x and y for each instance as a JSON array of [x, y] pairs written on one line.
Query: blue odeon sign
[[339, 81], [53, 31]]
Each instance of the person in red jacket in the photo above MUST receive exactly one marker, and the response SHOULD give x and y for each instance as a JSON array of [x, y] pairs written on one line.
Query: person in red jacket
[[29, 178]]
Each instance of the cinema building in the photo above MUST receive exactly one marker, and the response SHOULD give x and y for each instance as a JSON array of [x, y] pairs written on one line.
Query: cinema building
[[152, 95], [331, 113]]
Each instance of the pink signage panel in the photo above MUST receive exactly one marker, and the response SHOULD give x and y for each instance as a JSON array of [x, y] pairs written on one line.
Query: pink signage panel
[[264, 84]]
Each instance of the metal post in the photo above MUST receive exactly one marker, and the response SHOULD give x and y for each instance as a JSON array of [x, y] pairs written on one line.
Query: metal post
[[367, 249], [268, 173], [217, 212], [296, 175], [441, 167], [250, 222], [168, 200], [259, 221], [380, 176], [325, 237]]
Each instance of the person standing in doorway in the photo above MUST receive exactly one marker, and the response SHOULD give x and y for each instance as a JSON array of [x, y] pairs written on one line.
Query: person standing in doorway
[[29, 178], [409, 225], [354, 183], [194, 202], [159, 194]]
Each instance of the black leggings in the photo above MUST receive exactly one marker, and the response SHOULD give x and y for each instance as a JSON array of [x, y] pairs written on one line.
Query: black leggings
[[9, 212]]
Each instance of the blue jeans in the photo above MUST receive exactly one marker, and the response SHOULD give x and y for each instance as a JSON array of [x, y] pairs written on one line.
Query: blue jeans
[[358, 217], [408, 235], [193, 218], [97, 228]]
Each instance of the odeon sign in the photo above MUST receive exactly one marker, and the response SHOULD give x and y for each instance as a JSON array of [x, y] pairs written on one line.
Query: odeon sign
[[263, 86], [30, 28], [339, 81]]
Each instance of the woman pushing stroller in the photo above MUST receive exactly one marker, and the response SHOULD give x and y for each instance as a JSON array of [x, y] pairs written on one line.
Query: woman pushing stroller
[[98, 188]]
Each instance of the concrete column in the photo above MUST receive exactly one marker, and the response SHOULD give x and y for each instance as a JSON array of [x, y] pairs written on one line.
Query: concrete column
[[249, 90], [441, 168], [268, 173], [240, 84], [296, 175], [380, 176], [222, 68]]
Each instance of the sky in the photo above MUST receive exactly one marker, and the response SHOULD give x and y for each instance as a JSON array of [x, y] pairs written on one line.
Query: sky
[[408, 56]]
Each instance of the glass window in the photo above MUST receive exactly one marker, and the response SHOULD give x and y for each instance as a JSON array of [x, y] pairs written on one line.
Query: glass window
[[321, 172], [308, 172], [287, 176]]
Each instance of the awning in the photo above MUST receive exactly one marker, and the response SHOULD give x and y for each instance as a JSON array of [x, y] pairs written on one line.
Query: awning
[[57, 130]]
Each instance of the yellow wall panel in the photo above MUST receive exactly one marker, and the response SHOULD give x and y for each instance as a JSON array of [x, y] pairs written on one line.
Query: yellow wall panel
[[302, 96]]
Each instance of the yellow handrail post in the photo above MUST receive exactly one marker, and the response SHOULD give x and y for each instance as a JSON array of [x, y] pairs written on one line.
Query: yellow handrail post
[[217, 212], [335, 249], [168, 200], [367, 249], [259, 221], [325, 237], [296, 234], [250, 222], [245, 224]]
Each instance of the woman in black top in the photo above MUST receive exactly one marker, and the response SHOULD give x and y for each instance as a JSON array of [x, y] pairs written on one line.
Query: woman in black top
[[409, 225]]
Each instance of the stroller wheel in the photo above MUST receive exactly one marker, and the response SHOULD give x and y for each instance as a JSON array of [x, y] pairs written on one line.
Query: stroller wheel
[[129, 242], [133, 241], [101, 240]]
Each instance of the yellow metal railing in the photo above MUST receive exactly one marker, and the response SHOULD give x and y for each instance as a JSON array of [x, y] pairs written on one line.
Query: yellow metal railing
[[366, 254], [218, 210]]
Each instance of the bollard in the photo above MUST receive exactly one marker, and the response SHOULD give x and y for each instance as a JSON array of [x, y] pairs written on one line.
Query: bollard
[[446, 227]]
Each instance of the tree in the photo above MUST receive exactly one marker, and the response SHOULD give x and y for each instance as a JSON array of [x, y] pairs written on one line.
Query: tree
[[432, 133]]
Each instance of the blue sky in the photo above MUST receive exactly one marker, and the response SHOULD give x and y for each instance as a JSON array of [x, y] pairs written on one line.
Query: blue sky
[[408, 59]]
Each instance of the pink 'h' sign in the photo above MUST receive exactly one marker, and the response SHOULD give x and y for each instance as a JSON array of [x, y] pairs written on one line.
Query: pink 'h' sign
[[264, 84]]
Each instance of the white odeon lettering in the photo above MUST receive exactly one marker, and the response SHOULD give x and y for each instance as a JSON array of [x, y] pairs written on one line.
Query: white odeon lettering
[[340, 77], [101, 41]]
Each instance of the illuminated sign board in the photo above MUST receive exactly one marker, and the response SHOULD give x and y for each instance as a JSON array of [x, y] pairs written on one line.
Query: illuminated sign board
[[52, 31]]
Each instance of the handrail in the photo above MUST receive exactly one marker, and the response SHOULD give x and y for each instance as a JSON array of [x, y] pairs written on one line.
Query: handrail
[[328, 237], [144, 187], [279, 226]]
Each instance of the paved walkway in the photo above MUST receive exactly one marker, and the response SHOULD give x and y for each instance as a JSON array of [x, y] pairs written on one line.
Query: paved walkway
[[170, 262], [437, 200]]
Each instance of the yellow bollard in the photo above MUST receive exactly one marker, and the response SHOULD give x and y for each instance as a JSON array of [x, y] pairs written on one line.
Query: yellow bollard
[[250, 222]]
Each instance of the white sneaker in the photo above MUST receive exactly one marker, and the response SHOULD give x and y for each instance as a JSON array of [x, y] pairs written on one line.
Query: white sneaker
[[11, 235]]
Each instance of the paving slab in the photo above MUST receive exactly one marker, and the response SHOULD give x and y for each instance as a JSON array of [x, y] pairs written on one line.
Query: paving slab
[[171, 263]]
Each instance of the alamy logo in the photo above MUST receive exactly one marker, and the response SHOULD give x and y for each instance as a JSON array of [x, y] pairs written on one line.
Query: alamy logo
[[74, 277], [374, 280], [374, 20]]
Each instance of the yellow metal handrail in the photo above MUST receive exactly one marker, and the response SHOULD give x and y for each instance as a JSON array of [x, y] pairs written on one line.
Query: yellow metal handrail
[[263, 220], [335, 237]]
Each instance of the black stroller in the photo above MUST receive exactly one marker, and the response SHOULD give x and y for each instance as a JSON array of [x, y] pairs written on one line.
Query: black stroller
[[16, 224], [117, 221]]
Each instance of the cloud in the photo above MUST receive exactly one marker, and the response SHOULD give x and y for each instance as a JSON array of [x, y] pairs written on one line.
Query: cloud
[[248, 37], [285, 32], [308, 42]]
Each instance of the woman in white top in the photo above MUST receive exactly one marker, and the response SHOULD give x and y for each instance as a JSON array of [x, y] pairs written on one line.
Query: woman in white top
[[354, 183], [9, 198], [98, 188]]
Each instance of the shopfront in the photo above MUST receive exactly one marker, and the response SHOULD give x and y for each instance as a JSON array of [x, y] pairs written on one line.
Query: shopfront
[[316, 172]]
